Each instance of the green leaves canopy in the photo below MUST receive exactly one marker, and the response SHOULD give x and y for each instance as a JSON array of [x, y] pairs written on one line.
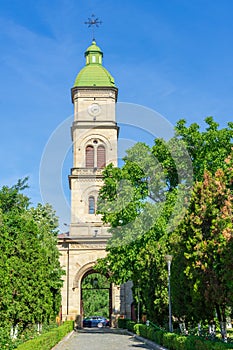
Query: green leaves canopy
[[204, 242], [145, 201], [30, 273]]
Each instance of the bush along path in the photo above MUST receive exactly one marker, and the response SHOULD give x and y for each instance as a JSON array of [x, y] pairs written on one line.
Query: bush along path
[[48, 340], [172, 341]]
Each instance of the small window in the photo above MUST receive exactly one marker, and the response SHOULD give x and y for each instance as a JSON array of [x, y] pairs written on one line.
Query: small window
[[101, 157], [93, 59], [91, 205], [90, 157]]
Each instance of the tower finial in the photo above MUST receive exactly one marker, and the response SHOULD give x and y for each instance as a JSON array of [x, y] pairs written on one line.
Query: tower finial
[[93, 22]]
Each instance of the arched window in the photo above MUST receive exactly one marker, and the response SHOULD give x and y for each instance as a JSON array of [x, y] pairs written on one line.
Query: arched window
[[101, 157], [91, 205], [89, 157]]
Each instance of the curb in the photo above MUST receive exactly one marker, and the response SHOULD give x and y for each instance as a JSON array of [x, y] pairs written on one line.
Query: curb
[[148, 342]]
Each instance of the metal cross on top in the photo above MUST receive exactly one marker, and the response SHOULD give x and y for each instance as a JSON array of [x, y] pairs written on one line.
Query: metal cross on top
[[92, 23]]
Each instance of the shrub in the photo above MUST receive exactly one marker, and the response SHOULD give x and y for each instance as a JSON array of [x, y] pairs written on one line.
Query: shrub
[[6, 342], [190, 343], [126, 323], [159, 336], [121, 323], [172, 341], [179, 343], [141, 329], [168, 340], [152, 333], [130, 325], [47, 340]]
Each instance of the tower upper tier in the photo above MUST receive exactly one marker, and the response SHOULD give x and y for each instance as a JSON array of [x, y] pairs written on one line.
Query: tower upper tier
[[94, 74]]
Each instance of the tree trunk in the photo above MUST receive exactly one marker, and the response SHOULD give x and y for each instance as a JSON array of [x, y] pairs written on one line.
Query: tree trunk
[[14, 332], [183, 328], [199, 328], [39, 327], [212, 331], [222, 321]]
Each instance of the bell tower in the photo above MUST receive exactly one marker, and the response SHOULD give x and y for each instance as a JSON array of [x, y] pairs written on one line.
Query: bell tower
[[94, 134]]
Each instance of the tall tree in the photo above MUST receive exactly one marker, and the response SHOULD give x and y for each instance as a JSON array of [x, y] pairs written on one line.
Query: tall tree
[[30, 270], [147, 198], [204, 241], [207, 148]]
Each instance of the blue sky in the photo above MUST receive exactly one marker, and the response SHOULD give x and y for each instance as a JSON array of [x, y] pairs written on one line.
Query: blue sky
[[173, 56]]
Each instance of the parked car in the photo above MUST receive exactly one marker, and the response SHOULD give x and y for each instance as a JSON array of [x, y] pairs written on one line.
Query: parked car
[[95, 321]]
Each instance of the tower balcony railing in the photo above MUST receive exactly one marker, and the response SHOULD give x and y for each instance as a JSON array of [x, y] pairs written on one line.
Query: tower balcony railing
[[86, 171]]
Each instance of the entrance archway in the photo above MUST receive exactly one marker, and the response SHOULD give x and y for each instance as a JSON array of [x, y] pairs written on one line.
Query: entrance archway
[[96, 295]]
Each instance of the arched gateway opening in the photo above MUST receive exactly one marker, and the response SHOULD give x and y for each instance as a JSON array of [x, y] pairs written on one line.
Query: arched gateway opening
[[96, 295]]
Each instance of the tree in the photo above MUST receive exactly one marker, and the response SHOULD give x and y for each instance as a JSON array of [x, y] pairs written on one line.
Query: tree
[[146, 200], [205, 245], [132, 202], [95, 295], [29, 269], [207, 149]]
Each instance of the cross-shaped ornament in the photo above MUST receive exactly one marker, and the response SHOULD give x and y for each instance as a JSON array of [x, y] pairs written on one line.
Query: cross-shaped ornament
[[93, 22]]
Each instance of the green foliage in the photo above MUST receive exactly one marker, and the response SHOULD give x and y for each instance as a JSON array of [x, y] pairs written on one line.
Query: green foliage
[[173, 341], [205, 246], [209, 148], [169, 341], [30, 272], [158, 336], [126, 323], [130, 325], [146, 200], [122, 322], [48, 340], [141, 330], [95, 297], [6, 343]]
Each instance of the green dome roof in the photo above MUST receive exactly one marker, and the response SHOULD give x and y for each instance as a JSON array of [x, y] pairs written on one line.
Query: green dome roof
[[93, 47], [94, 74]]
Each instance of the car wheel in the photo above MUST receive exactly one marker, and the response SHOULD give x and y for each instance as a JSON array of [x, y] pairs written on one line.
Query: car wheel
[[100, 325]]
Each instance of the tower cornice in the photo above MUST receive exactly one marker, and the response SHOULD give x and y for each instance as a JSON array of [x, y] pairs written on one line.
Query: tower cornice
[[91, 90]]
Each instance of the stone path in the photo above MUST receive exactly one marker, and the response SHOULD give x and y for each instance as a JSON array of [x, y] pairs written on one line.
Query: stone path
[[101, 339]]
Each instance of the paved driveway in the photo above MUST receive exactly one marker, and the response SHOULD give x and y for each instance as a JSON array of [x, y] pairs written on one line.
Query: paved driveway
[[101, 339]]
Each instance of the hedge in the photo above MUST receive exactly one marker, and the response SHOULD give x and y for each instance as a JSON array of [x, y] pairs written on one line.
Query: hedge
[[172, 341], [126, 324], [47, 340]]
